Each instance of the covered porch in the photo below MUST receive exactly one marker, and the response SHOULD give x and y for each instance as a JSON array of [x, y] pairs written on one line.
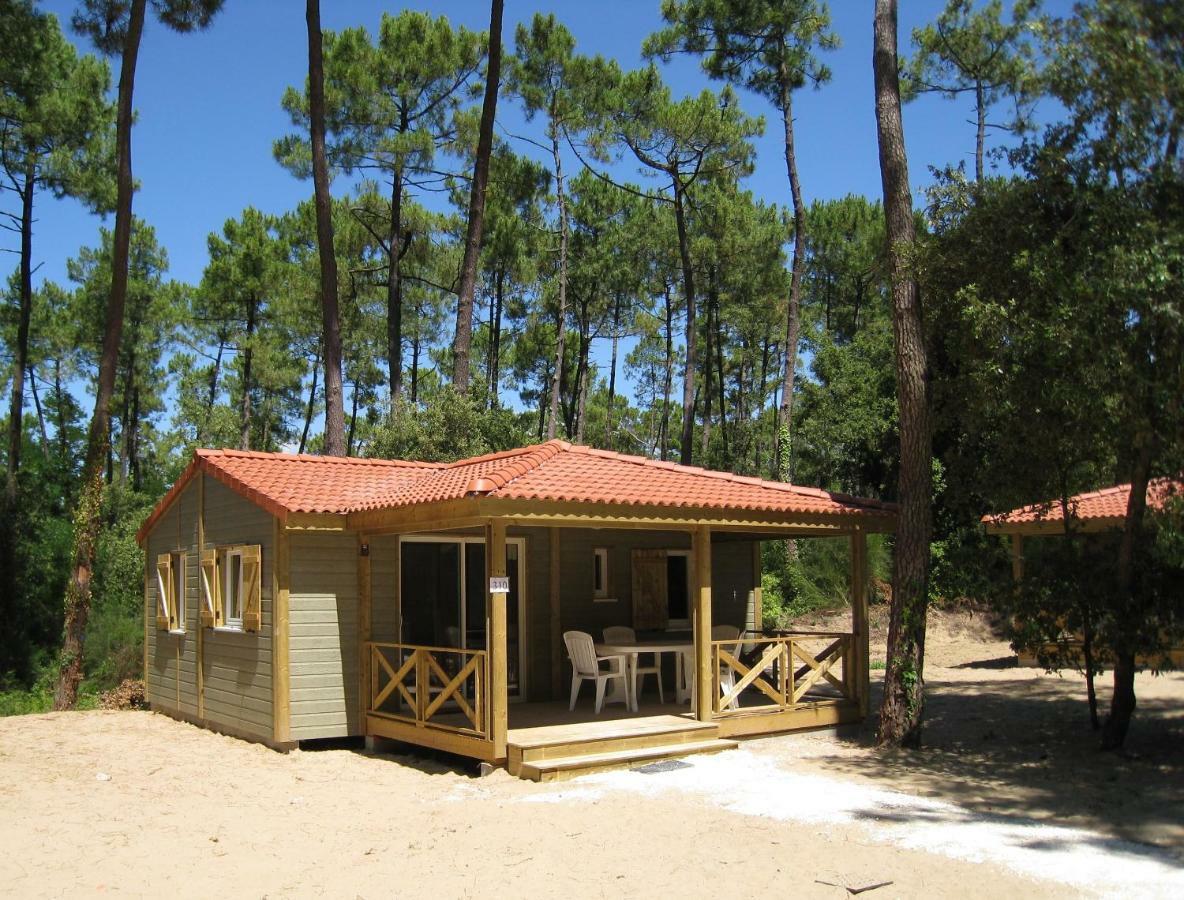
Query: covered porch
[[492, 681]]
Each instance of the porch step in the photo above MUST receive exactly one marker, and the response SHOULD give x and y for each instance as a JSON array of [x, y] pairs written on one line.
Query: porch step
[[562, 767], [558, 742]]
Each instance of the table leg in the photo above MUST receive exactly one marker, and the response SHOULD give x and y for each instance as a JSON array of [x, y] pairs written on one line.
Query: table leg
[[633, 678]]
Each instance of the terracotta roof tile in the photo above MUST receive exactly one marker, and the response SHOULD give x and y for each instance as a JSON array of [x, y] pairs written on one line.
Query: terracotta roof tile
[[556, 471], [1107, 503]]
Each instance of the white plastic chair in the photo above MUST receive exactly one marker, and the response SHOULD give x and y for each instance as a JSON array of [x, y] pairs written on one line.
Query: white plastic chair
[[623, 634], [727, 675], [585, 664]]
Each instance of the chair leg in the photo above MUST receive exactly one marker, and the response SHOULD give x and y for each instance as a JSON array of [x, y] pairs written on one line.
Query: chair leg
[[576, 681], [600, 683]]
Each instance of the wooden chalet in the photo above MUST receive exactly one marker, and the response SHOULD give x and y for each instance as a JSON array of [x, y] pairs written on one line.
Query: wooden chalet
[[292, 598]]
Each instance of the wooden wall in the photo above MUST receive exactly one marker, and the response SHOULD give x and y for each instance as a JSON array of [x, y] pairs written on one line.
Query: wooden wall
[[236, 665], [323, 650]]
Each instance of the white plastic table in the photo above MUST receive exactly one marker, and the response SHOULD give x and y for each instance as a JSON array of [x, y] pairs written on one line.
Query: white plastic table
[[680, 648]]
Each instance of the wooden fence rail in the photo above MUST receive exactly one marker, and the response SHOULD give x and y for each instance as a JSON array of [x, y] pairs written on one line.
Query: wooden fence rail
[[784, 669], [414, 683]]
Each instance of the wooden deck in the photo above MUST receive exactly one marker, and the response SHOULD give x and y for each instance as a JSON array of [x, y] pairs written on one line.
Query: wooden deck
[[546, 742]]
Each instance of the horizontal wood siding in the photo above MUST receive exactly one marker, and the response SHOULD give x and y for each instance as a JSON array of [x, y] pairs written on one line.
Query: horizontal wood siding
[[238, 664], [384, 619], [171, 679], [323, 654]]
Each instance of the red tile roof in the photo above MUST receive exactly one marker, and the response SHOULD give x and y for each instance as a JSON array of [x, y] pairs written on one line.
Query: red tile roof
[[1107, 503], [555, 471]]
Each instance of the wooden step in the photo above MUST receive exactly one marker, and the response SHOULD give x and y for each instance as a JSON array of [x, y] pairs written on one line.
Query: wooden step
[[560, 742], [558, 768]]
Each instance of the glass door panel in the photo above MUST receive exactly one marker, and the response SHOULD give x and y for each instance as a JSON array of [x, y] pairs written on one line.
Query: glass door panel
[[431, 593], [444, 586]]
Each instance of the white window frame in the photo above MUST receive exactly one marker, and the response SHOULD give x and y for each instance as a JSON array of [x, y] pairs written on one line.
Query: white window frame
[[600, 594], [232, 623], [177, 589], [681, 623]]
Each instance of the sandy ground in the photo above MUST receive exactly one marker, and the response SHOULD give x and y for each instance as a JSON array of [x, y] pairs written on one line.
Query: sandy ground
[[1009, 798]]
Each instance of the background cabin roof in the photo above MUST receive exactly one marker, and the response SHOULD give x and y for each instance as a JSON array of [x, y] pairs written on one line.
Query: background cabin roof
[[284, 483], [1101, 509]]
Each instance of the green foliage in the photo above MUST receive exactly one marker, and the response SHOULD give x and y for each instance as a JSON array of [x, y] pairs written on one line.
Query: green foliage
[[767, 46], [813, 575], [443, 428], [971, 49]]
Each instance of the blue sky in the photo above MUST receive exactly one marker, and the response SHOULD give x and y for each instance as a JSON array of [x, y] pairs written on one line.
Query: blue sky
[[209, 110]]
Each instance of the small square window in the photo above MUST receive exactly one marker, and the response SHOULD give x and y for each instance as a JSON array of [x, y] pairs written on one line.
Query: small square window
[[600, 573]]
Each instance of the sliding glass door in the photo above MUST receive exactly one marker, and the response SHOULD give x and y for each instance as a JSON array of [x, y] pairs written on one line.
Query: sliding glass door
[[443, 597]]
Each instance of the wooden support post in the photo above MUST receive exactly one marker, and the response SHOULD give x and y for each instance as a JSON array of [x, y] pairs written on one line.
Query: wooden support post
[[365, 617], [495, 567], [704, 683], [1017, 557], [756, 622], [280, 672], [860, 675], [556, 617], [201, 600]]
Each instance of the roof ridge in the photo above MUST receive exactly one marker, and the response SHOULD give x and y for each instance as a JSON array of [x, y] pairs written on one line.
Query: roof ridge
[[784, 486], [525, 459], [214, 453]]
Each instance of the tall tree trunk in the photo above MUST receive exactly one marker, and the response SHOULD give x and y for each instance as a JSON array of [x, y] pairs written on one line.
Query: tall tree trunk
[[415, 368], [980, 110], [394, 289], [793, 311], [902, 708], [40, 413], [495, 339], [244, 440], [609, 437], [353, 421], [311, 405], [133, 441], [1122, 699], [582, 379], [721, 388], [688, 286], [59, 399], [21, 354], [87, 517], [668, 380], [708, 364], [1087, 659], [561, 331], [462, 344], [212, 393], [330, 316]]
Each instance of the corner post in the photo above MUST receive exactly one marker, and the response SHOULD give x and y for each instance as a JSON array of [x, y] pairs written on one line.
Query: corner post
[[201, 631], [756, 615], [556, 616], [861, 669], [704, 682], [280, 685], [495, 566], [365, 617]]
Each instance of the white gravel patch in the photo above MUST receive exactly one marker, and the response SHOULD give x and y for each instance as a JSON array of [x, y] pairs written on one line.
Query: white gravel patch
[[750, 784]]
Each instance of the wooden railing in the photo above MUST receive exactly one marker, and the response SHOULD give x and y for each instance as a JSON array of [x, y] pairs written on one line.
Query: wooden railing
[[445, 687], [783, 669]]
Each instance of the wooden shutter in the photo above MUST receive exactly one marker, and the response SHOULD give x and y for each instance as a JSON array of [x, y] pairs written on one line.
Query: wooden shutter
[[164, 588], [211, 590], [251, 599], [651, 609]]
